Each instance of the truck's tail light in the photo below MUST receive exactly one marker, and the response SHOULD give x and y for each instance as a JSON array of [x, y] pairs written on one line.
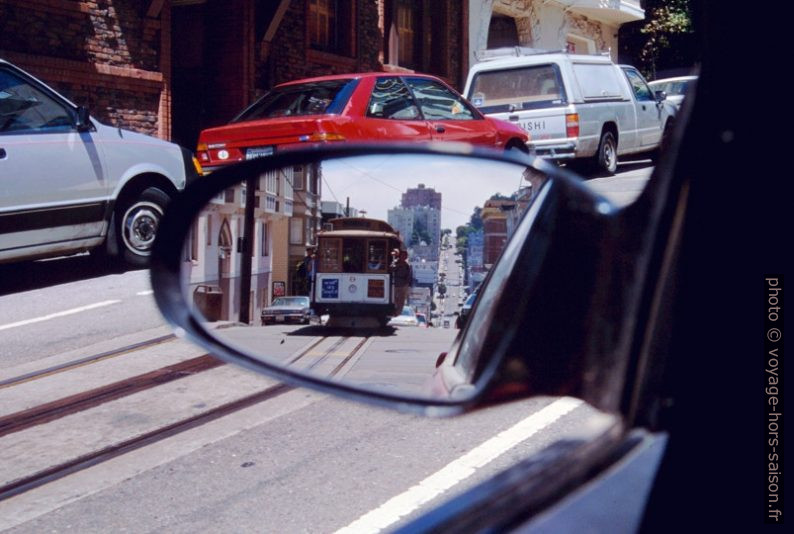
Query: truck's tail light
[[572, 125]]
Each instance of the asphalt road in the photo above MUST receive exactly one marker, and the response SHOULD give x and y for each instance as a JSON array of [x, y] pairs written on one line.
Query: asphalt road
[[300, 462]]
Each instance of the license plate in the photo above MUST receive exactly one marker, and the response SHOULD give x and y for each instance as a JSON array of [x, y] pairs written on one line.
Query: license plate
[[279, 318], [259, 152]]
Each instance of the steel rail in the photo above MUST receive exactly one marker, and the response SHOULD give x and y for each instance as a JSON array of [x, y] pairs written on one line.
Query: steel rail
[[51, 411], [83, 361]]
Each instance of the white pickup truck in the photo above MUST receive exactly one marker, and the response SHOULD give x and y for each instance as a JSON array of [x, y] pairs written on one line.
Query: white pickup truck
[[574, 107]]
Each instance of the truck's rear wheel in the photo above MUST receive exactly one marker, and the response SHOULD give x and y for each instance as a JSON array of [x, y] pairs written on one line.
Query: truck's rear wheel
[[606, 158]]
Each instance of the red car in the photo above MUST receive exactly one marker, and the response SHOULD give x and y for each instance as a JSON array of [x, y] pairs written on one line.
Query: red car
[[354, 107]]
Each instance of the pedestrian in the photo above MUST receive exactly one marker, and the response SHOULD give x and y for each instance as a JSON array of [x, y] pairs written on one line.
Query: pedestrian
[[402, 276], [304, 274]]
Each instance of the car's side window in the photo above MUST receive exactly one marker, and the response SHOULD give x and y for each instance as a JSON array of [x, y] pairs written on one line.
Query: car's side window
[[641, 89], [23, 108], [391, 99], [437, 102]]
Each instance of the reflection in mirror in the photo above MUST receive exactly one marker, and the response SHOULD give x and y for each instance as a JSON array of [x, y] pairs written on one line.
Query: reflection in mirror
[[356, 269]]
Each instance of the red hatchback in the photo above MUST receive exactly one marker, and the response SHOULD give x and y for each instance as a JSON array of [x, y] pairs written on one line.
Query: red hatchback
[[354, 107]]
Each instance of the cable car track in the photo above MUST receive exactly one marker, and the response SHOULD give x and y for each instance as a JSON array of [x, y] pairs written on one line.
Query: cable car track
[[48, 412], [60, 368]]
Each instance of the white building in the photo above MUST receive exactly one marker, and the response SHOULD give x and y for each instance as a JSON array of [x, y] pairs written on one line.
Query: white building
[[213, 257], [581, 26]]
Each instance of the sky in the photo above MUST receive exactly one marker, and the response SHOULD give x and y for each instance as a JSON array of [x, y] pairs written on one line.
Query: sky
[[376, 183]]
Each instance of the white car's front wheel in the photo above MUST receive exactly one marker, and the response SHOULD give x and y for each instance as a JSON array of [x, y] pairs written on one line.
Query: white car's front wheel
[[138, 223]]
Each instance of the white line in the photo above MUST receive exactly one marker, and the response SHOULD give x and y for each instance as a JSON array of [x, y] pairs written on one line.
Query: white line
[[59, 314], [391, 511], [144, 293]]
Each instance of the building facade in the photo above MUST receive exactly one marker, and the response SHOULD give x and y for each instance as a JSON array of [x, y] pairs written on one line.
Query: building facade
[[171, 68], [421, 196], [580, 26]]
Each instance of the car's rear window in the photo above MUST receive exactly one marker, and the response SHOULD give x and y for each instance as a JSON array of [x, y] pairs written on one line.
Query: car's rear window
[[520, 88], [314, 98]]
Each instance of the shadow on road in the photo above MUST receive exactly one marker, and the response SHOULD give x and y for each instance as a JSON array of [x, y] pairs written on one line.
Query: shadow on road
[[30, 275], [327, 331], [625, 165]]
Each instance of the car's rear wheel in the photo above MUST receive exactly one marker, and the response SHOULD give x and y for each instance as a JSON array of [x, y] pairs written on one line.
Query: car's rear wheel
[[606, 158], [138, 221]]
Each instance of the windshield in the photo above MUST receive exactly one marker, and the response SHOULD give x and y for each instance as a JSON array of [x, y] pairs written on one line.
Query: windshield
[[678, 87], [291, 301], [315, 98]]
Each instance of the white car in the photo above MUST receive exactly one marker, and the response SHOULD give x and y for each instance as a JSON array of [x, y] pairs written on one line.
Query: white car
[[674, 88], [406, 318], [69, 183]]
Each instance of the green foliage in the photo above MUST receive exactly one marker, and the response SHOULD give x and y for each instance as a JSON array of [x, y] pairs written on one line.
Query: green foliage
[[664, 40], [475, 222], [420, 233]]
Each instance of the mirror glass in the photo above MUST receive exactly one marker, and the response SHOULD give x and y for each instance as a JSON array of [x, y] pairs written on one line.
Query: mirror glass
[[324, 287]]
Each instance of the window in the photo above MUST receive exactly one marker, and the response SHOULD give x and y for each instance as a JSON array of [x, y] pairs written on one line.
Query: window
[[407, 23], [437, 102], [524, 88], [641, 89], [24, 108], [376, 256], [296, 236], [264, 241], [391, 99], [271, 180], [353, 255], [329, 26], [298, 178], [314, 98], [330, 255]]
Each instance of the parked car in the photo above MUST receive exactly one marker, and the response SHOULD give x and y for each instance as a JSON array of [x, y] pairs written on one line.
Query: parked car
[[406, 318], [288, 310], [575, 107], [674, 88], [78, 184], [354, 107], [465, 311]]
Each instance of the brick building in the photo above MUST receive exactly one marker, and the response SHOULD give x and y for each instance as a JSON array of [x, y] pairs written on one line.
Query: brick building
[[421, 196], [173, 67]]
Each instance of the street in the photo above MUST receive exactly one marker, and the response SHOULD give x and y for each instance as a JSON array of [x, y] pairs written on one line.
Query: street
[[109, 422]]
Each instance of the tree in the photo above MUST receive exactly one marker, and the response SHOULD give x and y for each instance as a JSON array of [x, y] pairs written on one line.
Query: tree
[[664, 40]]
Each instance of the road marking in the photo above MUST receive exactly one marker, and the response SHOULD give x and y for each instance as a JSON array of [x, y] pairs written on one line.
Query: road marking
[[144, 293], [59, 314], [400, 506]]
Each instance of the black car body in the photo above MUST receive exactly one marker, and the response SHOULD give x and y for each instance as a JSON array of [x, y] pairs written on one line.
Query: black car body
[[465, 311]]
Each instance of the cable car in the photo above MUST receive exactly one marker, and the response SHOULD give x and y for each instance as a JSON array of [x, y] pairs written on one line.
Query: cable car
[[352, 277]]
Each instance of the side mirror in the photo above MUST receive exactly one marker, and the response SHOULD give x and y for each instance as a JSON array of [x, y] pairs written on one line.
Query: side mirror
[[84, 120], [537, 310], [661, 96]]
